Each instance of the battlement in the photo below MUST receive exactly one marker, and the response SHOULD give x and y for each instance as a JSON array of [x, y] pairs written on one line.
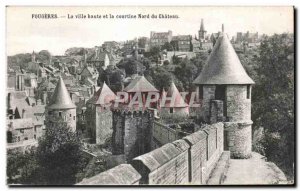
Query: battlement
[[190, 160]]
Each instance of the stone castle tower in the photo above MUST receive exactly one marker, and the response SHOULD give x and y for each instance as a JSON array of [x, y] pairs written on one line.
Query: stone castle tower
[[202, 31], [225, 90], [61, 110], [132, 133]]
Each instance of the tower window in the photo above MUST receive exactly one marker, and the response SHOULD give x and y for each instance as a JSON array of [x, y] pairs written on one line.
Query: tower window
[[248, 91], [201, 92]]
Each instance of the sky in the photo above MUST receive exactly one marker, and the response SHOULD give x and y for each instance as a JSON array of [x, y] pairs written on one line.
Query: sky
[[25, 34]]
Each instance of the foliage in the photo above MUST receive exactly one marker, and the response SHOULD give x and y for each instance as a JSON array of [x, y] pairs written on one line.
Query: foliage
[[59, 156], [273, 99], [161, 78], [132, 66], [75, 51], [186, 72], [167, 46], [22, 168]]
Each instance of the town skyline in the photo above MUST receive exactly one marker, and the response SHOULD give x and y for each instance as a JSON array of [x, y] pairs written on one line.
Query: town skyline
[[65, 33]]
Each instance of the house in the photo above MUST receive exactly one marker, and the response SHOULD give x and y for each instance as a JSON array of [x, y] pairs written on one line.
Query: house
[[158, 39]]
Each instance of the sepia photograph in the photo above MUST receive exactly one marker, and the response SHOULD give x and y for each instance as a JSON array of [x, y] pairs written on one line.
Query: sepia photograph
[[150, 96]]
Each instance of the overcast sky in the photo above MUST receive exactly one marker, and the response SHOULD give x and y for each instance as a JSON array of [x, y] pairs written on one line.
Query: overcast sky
[[25, 34]]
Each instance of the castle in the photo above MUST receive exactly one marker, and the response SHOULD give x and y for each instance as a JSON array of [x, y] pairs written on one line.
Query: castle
[[173, 158]]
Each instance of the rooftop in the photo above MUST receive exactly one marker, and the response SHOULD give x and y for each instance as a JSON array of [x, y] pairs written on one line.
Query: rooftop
[[61, 98], [223, 66], [140, 84]]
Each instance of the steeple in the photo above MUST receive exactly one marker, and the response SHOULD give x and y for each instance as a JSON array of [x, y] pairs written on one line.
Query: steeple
[[33, 57], [61, 98], [202, 31], [202, 26]]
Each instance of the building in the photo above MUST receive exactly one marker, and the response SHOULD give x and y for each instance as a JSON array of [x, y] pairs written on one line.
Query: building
[[140, 86], [182, 43], [246, 37], [89, 75], [225, 90], [158, 39], [132, 133], [61, 111], [202, 32], [173, 103], [144, 44], [100, 59], [98, 115]]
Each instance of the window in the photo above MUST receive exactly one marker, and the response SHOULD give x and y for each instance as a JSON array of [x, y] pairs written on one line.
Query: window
[[74, 117], [59, 114], [248, 91], [26, 138], [34, 129], [171, 110], [70, 115], [200, 92], [220, 92], [22, 130], [34, 136]]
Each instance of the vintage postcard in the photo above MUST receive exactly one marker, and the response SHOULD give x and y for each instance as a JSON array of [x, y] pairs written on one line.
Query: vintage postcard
[[136, 95]]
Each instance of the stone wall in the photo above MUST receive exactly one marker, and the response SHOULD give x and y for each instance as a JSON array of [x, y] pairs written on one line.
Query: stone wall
[[68, 117], [190, 160], [103, 125], [162, 134], [238, 139], [132, 133], [238, 105]]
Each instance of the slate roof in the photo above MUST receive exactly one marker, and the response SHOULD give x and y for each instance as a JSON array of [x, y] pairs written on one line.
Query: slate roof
[[21, 123], [140, 84], [61, 98], [179, 101], [223, 66], [103, 96]]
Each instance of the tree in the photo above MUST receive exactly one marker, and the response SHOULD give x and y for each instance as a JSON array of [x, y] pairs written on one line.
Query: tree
[[22, 168], [273, 99], [59, 156], [43, 56], [186, 72], [167, 46], [161, 77]]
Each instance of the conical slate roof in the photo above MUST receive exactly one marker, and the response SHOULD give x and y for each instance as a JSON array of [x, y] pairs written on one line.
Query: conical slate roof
[[223, 66], [179, 101], [140, 84], [103, 96], [61, 98]]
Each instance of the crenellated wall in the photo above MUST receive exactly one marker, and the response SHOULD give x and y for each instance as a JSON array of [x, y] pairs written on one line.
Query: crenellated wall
[[190, 160]]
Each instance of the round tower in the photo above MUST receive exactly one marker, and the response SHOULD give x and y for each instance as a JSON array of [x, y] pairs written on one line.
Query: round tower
[[61, 110], [224, 81]]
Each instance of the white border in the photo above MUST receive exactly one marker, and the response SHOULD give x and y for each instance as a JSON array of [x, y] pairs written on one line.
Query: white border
[[3, 3]]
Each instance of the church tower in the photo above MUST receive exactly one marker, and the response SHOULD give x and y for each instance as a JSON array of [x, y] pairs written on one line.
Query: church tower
[[202, 31], [61, 110], [224, 85], [33, 56]]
